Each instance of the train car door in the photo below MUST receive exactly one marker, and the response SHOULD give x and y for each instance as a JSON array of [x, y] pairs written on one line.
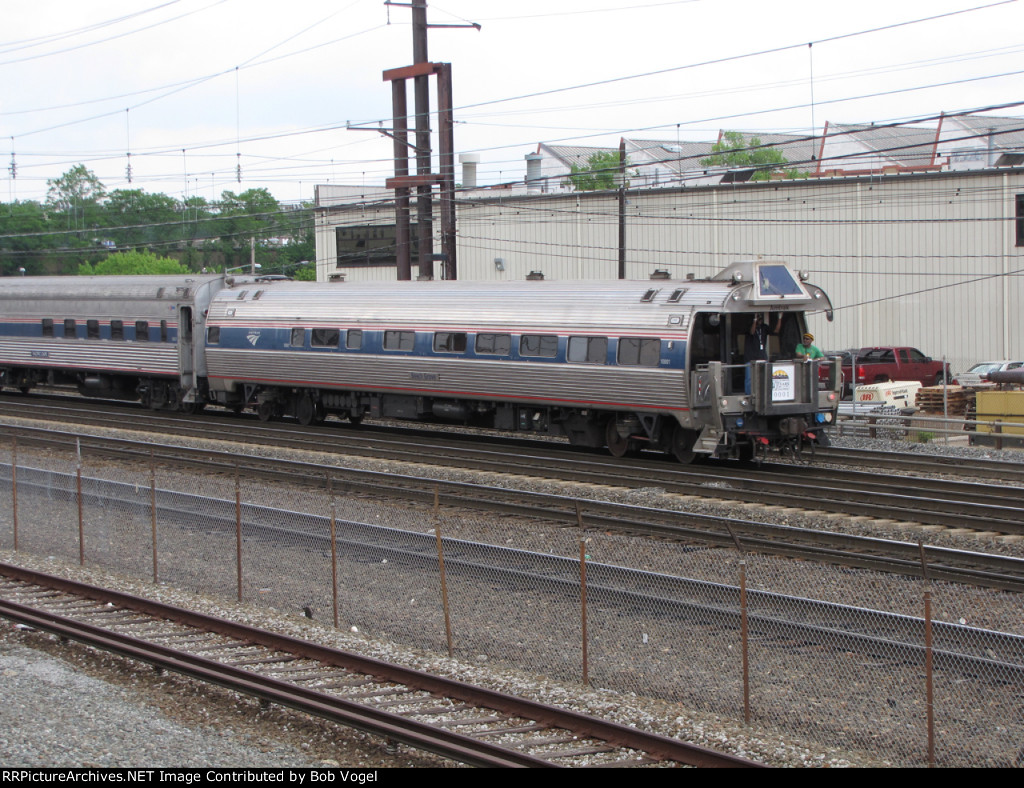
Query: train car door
[[186, 365]]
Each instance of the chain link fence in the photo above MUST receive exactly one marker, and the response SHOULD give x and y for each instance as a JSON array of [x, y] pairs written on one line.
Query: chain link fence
[[900, 670]]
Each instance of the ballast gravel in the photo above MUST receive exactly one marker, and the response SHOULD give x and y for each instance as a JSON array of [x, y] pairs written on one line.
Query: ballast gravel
[[68, 706]]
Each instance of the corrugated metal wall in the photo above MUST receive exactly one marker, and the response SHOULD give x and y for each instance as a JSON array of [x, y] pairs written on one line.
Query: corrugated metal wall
[[927, 260]]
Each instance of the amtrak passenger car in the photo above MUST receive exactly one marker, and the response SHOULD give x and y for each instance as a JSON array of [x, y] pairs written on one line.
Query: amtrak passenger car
[[115, 337], [622, 364]]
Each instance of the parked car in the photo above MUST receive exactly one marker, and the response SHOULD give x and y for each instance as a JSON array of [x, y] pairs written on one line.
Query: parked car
[[881, 364], [976, 374]]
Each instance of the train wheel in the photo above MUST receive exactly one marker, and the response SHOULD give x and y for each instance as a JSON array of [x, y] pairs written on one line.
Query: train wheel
[[305, 410], [617, 445], [683, 441], [265, 411]]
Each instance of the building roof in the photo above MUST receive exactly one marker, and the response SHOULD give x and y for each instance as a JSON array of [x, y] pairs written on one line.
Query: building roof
[[898, 146]]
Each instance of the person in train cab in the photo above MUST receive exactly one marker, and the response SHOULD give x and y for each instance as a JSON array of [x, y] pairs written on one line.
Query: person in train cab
[[807, 350], [756, 346]]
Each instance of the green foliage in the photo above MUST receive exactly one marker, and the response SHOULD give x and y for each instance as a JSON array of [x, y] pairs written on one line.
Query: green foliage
[[925, 437], [77, 186], [306, 273], [733, 151], [80, 221], [132, 263], [601, 172]]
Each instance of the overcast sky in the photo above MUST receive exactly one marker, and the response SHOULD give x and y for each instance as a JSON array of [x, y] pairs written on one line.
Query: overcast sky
[[195, 89]]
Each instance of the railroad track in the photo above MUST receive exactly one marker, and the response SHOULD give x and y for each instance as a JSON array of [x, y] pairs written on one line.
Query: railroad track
[[997, 508], [907, 558], [467, 724]]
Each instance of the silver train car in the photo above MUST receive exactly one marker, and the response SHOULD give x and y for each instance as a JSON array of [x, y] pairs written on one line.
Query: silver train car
[[115, 337], [622, 365]]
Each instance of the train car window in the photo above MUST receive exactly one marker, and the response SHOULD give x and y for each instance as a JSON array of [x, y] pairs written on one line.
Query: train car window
[[213, 335], [543, 345], [494, 344], [587, 350], [449, 342], [298, 337], [47, 327], [116, 329], [399, 340], [92, 329], [324, 337], [354, 339], [777, 281], [70, 330], [142, 331], [163, 330], [637, 352]]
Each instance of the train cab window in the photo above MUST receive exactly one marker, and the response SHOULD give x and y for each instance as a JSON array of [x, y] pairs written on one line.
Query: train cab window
[[637, 352], [494, 344], [92, 329], [354, 339], [324, 337], [47, 327], [541, 345], [213, 335], [449, 342], [587, 350], [298, 337], [163, 331], [117, 329], [70, 330], [399, 340], [142, 331]]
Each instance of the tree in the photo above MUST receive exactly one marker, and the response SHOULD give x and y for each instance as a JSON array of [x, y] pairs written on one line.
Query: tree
[[77, 195], [137, 218], [733, 151], [132, 263], [601, 172]]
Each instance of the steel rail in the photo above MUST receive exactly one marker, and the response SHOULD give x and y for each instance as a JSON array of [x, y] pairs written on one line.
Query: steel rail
[[438, 740], [888, 555]]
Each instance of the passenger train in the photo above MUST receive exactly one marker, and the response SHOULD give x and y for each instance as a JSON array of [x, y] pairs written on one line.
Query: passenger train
[[624, 365]]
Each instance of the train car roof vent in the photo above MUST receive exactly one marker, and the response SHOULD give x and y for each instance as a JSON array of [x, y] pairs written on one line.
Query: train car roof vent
[[257, 294], [677, 295], [242, 294], [649, 295], [160, 292]]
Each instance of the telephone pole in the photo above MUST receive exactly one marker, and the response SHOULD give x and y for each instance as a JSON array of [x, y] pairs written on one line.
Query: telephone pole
[[424, 179]]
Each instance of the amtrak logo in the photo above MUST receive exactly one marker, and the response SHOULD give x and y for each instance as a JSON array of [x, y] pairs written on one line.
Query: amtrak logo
[[253, 337]]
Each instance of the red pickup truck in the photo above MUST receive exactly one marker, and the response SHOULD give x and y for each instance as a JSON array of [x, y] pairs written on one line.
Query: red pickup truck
[[880, 364]]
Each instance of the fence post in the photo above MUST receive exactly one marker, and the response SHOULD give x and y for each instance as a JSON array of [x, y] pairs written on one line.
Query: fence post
[[14, 488], [744, 641], [583, 611], [78, 495], [334, 551], [238, 534], [929, 677], [152, 513], [440, 563]]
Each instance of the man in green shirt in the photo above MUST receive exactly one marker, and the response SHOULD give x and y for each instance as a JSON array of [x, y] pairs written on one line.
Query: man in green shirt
[[807, 350]]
